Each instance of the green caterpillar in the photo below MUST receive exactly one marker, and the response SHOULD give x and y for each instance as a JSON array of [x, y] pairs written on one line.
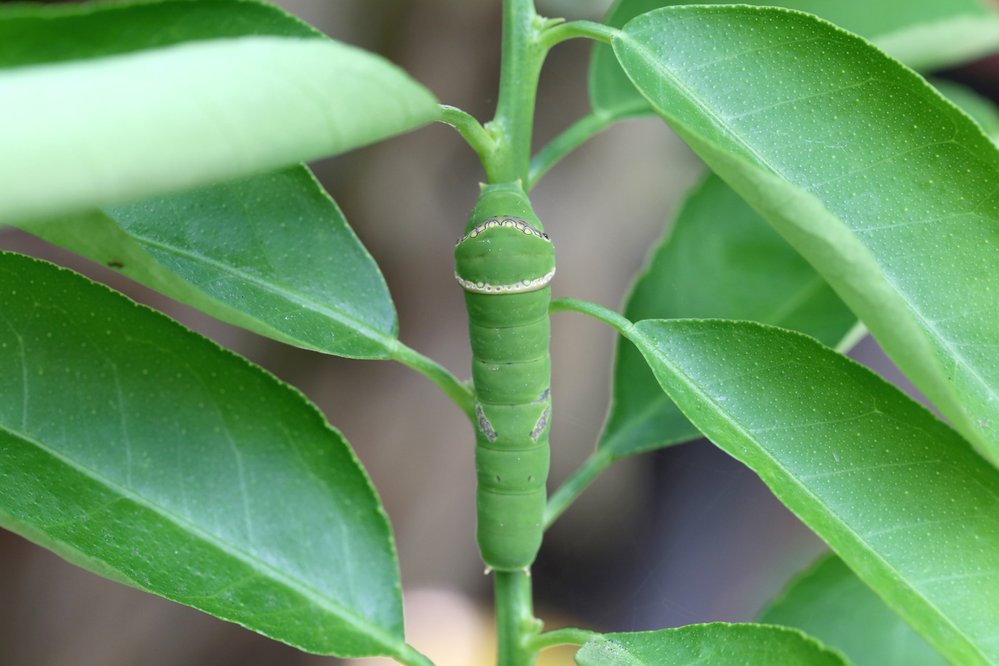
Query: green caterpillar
[[505, 262]]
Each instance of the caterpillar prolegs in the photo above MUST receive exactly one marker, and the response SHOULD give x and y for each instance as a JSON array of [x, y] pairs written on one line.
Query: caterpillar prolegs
[[505, 262]]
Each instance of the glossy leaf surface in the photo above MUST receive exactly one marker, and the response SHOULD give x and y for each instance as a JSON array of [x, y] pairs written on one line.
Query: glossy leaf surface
[[717, 644], [145, 453], [925, 34], [225, 104], [829, 602], [719, 260], [896, 493], [270, 253], [885, 187]]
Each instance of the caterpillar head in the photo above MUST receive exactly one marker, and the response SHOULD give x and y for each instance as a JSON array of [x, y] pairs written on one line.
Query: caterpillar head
[[504, 249]]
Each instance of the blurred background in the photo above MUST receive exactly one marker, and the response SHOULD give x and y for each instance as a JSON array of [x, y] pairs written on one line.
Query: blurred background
[[683, 535]]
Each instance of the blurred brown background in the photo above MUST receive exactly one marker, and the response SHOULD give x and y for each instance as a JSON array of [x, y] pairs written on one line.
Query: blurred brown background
[[684, 535]]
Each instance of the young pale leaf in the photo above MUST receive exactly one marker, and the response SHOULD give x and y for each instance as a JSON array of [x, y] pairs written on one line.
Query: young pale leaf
[[925, 34], [829, 602], [718, 644], [906, 503], [884, 186], [143, 452], [143, 121], [270, 253], [719, 260]]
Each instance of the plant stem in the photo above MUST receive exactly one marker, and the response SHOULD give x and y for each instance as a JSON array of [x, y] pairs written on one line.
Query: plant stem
[[600, 459], [520, 68], [599, 312], [566, 31], [573, 137], [576, 135], [471, 131], [556, 637], [459, 392], [574, 486], [516, 625]]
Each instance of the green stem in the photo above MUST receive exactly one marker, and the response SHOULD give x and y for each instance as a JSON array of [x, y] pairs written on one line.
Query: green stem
[[556, 637], [516, 625], [599, 312], [576, 135], [471, 131], [459, 392], [574, 29], [520, 68], [574, 486]]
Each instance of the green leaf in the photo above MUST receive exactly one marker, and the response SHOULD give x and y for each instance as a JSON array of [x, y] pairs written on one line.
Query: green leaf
[[33, 34], [196, 107], [143, 452], [270, 253], [981, 110], [925, 34], [829, 602], [885, 187], [719, 260], [906, 503], [718, 644]]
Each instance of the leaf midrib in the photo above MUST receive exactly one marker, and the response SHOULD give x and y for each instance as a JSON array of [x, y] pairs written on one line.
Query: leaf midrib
[[265, 570], [341, 317], [640, 337], [636, 420]]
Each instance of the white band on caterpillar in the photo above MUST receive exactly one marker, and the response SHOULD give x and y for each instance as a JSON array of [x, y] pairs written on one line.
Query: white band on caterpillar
[[515, 288]]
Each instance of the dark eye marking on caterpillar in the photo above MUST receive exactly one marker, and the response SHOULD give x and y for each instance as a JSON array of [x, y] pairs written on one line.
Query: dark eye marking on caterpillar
[[507, 222]]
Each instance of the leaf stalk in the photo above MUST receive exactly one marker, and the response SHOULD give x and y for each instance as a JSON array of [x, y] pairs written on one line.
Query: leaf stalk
[[575, 136], [459, 392], [562, 32], [574, 486], [474, 134], [557, 637]]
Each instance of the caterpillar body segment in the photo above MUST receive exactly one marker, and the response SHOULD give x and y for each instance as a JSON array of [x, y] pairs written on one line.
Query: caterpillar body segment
[[505, 262]]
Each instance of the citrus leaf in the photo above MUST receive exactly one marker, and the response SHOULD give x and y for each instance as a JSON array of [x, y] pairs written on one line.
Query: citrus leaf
[[981, 110], [719, 260], [718, 644], [270, 253], [906, 503], [925, 34], [34, 34], [145, 453], [829, 602], [198, 108], [885, 187]]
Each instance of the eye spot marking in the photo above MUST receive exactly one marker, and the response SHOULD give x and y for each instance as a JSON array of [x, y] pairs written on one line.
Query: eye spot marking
[[506, 222]]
